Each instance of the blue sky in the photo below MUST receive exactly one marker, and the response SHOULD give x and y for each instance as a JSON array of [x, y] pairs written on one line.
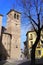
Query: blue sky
[[5, 6]]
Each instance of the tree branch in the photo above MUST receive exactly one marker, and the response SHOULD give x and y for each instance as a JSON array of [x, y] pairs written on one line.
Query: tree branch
[[33, 26], [38, 20], [33, 20], [36, 5]]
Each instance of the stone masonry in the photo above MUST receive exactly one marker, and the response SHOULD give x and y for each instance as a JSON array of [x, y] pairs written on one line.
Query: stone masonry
[[11, 35], [13, 27]]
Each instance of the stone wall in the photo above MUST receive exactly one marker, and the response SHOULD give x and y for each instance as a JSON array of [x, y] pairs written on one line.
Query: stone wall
[[6, 42]]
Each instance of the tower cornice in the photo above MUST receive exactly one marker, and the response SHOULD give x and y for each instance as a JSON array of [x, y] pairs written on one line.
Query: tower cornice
[[13, 10]]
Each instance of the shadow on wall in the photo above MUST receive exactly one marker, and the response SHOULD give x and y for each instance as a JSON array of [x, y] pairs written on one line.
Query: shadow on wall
[[3, 51], [2, 62]]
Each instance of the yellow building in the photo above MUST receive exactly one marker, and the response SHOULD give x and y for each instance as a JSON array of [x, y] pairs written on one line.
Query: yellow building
[[31, 37]]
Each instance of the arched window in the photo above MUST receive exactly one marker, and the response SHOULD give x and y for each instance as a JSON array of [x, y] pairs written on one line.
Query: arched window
[[17, 16], [14, 15]]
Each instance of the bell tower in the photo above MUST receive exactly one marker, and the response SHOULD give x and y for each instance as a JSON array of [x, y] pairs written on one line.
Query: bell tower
[[13, 27]]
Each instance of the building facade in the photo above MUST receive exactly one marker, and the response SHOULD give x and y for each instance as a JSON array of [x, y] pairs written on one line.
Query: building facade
[[11, 35], [31, 37]]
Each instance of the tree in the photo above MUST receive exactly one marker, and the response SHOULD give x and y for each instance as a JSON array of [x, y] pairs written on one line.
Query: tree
[[33, 10]]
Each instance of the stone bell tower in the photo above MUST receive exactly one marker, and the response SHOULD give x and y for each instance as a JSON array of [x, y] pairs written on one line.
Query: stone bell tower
[[13, 27]]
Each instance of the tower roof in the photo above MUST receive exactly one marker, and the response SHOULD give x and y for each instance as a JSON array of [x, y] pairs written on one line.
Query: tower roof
[[29, 32], [13, 10]]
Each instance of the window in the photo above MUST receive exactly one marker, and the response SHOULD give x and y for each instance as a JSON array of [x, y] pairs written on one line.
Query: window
[[14, 15], [31, 37], [39, 51], [17, 16], [16, 46]]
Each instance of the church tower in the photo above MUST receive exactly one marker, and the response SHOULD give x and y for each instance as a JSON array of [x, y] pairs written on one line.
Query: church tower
[[13, 27]]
